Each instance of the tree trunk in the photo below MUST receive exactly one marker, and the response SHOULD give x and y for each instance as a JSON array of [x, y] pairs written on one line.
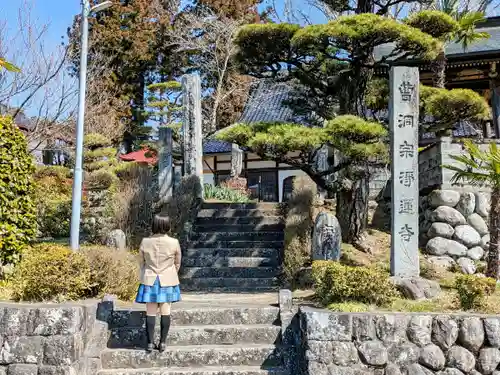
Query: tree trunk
[[439, 69], [493, 266], [352, 209]]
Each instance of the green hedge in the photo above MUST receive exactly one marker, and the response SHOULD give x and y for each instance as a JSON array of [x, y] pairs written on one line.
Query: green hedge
[[17, 216]]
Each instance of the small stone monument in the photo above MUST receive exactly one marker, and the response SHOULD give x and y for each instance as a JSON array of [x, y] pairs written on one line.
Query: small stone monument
[[192, 130], [327, 238], [403, 117], [165, 166], [117, 240], [236, 161]]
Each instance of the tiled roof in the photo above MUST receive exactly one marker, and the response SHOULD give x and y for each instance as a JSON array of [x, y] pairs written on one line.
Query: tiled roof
[[214, 146], [139, 157], [482, 46]]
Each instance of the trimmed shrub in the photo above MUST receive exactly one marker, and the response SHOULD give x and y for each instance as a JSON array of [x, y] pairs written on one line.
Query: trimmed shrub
[[335, 283], [96, 140], [298, 228], [57, 171], [238, 184], [17, 216], [112, 272], [472, 290], [224, 193], [102, 179], [49, 272]]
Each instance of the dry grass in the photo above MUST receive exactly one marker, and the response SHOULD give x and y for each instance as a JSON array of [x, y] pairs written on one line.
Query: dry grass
[[133, 205]]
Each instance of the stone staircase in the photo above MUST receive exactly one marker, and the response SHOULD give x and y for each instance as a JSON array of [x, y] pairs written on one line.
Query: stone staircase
[[235, 248], [203, 341]]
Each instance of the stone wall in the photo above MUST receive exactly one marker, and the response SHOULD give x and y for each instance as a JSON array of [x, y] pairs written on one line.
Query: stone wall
[[51, 339], [454, 228], [398, 344]]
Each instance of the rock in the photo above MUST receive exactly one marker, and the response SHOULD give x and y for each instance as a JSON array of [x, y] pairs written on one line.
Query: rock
[[448, 198], [444, 261], [324, 326], [20, 369], [449, 215], [466, 265], [483, 204], [478, 223], [417, 287], [403, 354], [476, 253], [450, 371], [471, 334], [467, 204], [440, 230], [117, 239], [461, 359], [391, 328], [327, 238], [492, 331], [392, 369], [467, 235], [22, 349], [485, 242], [416, 369], [432, 357], [420, 329], [373, 353], [488, 360], [336, 352], [442, 246], [444, 332], [363, 327]]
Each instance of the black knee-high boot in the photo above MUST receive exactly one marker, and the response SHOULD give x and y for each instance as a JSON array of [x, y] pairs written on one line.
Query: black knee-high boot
[[165, 327], [150, 332]]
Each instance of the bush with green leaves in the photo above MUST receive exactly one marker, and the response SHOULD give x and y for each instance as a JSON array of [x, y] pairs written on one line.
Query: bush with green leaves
[[49, 272], [53, 196], [472, 290], [17, 213], [225, 194], [336, 283]]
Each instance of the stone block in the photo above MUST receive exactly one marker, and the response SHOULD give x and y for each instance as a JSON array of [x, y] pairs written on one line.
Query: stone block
[[363, 327], [478, 223], [22, 369], [18, 321], [326, 326], [483, 204], [58, 321], [432, 356], [440, 230], [443, 246], [420, 330], [444, 332], [392, 328], [467, 204], [24, 349], [448, 198], [62, 350], [488, 360], [403, 354], [417, 288], [467, 235], [461, 359], [492, 331], [285, 300], [471, 334], [98, 340], [373, 353]]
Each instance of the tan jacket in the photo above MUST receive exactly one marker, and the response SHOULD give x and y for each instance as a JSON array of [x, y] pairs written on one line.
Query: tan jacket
[[160, 256]]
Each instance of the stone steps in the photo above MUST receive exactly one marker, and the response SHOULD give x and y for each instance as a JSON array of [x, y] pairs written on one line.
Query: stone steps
[[262, 206], [232, 213], [193, 357], [217, 261], [229, 272], [201, 316], [212, 252], [227, 284], [135, 337], [237, 244], [235, 228], [238, 236], [240, 220], [213, 370]]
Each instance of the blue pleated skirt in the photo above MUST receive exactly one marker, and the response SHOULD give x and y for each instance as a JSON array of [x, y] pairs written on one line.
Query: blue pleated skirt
[[157, 293]]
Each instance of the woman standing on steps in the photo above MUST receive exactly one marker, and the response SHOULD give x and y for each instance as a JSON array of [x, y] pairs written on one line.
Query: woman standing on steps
[[160, 260]]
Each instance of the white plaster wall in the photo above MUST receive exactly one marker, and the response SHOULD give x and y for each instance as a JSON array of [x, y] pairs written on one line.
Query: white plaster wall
[[208, 178], [285, 174], [261, 164]]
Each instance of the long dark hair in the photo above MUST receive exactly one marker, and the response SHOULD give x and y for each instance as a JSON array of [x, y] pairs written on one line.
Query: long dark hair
[[161, 224]]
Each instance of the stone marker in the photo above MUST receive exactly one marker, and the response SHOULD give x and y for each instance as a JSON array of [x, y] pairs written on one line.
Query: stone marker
[[165, 165], [117, 240], [192, 131], [327, 238], [403, 115], [236, 160]]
